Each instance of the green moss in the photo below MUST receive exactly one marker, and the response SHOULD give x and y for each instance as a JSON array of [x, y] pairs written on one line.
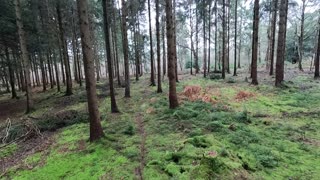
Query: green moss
[[8, 150]]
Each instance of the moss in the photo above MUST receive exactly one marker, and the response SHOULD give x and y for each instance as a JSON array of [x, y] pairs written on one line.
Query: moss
[[8, 150]]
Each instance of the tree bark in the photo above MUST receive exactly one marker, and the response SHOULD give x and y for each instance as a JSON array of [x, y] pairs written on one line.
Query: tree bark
[[301, 37], [223, 39], [235, 38], [164, 57], [273, 35], [173, 99], [65, 52], [316, 59], [106, 5], [159, 89], [204, 40], [11, 74], [151, 48], [125, 49], [25, 57], [255, 37], [281, 43], [96, 131]]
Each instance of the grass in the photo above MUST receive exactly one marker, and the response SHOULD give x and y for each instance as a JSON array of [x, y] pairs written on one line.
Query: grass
[[271, 135]]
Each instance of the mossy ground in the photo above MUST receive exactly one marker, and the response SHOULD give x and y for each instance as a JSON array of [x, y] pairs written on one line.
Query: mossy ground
[[272, 135]]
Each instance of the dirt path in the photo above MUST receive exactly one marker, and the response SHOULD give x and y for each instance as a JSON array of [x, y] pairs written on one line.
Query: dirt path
[[143, 151]]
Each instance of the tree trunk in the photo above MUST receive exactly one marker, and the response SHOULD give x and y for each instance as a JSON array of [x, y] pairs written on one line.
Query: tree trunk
[[173, 99], [273, 35], [65, 52], [235, 38], [223, 39], [11, 74], [196, 61], [255, 38], [106, 5], [215, 36], [301, 35], [125, 49], [281, 42], [57, 71], [240, 44], [159, 90], [25, 57], [316, 59], [164, 63], [151, 49], [204, 40], [96, 131]]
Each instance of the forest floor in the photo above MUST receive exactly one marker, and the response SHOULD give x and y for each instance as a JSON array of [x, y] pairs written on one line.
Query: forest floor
[[223, 129]]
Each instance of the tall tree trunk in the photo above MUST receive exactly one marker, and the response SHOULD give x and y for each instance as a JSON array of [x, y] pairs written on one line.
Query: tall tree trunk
[[107, 6], [25, 57], [235, 38], [255, 38], [173, 99], [96, 131], [65, 52], [151, 48], [11, 74], [281, 42], [74, 48], [316, 59], [191, 34], [301, 37], [175, 39], [196, 61], [159, 90], [228, 38], [209, 40], [204, 40], [273, 34], [164, 57], [223, 39], [56, 70], [61, 61], [240, 44], [215, 36], [125, 49]]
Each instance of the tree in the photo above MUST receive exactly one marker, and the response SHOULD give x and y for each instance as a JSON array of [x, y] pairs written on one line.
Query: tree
[[235, 38], [125, 49], [255, 36], [151, 48], [273, 34], [281, 42], [159, 90], [173, 99], [300, 46], [316, 61], [223, 38], [204, 40], [106, 5], [64, 52], [25, 55], [96, 131]]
